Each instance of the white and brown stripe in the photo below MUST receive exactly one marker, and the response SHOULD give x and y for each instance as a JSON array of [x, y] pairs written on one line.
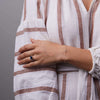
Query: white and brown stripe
[[62, 42], [80, 23], [38, 9], [97, 86], [63, 72], [24, 9], [88, 87], [92, 15], [31, 30], [46, 11], [59, 22], [82, 45], [64, 87], [38, 15], [42, 88], [46, 68]]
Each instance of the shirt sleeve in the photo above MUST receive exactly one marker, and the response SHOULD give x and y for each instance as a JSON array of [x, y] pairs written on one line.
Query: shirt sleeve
[[95, 53], [32, 24], [32, 14]]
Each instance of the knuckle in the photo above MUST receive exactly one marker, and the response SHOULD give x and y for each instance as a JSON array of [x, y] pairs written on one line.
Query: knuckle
[[33, 52], [26, 65], [38, 50], [20, 49], [24, 54], [30, 64], [19, 56], [21, 61], [35, 57], [25, 46], [25, 60], [40, 62], [35, 63]]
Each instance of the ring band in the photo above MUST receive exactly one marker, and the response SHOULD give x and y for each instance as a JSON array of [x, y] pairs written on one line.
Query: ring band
[[31, 58]]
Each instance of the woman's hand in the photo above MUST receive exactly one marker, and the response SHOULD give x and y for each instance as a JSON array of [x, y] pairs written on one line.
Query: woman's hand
[[43, 52]]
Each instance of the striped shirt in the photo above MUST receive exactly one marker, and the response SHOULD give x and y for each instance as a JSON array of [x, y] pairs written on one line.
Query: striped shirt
[[66, 22]]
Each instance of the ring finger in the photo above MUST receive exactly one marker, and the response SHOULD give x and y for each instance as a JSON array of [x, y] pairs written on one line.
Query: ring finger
[[26, 60], [26, 54]]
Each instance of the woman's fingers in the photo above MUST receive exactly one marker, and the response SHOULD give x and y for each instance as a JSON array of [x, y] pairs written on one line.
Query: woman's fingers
[[26, 54], [25, 61], [28, 60], [27, 47], [31, 64]]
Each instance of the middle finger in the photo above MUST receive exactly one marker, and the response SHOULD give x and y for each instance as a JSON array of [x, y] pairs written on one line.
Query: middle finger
[[26, 54], [25, 61]]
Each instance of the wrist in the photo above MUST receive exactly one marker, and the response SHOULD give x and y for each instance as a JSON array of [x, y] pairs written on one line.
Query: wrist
[[65, 54]]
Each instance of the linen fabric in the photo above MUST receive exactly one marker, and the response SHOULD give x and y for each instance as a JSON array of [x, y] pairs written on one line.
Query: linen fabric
[[66, 22]]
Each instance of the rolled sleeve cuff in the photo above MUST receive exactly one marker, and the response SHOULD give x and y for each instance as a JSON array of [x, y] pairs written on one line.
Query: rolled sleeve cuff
[[93, 66], [95, 53]]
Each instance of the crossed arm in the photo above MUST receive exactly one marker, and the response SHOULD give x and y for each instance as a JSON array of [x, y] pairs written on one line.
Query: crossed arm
[[47, 52]]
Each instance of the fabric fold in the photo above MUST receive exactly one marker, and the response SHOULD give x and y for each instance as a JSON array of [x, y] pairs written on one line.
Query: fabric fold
[[95, 71]]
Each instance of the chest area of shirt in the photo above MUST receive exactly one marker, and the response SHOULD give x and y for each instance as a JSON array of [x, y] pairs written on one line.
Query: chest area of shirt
[[73, 17]]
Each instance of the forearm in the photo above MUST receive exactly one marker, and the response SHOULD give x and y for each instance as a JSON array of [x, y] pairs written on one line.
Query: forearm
[[78, 57]]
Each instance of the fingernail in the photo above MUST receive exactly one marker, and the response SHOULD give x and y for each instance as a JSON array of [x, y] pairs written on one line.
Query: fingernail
[[31, 39], [17, 58], [19, 50], [24, 66], [18, 62]]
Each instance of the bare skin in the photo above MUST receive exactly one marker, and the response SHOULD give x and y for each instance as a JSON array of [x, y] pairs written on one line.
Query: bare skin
[[43, 52], [87, 3], [47, 53]]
